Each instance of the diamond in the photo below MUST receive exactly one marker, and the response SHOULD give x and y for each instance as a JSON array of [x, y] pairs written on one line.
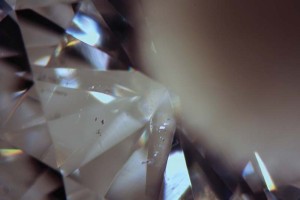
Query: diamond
[[84, 112], [78, 121]]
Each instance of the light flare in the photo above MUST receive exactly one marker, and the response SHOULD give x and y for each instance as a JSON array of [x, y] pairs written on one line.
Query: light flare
[[267, 178], [10, 152]]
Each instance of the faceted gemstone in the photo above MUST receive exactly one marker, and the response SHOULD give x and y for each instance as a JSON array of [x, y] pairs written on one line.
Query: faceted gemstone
[[84, 111], [78, 121]]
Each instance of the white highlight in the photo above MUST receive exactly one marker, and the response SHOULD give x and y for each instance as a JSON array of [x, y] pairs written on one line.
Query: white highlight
[[104, 98], [268, 180], [42, 61]]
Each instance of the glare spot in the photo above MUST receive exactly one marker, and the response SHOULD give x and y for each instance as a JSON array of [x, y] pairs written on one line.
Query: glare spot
[[143, 139], [70, 83], [176, 176], [76, 172], [249, 169], [73, 43], [104, 98], [42, 61], [58, 50], [64, 72], [20, 74], [10, 152], [90, 31], [268, 180], [92, 87], [68, 78], [120, 90], [18, 93]]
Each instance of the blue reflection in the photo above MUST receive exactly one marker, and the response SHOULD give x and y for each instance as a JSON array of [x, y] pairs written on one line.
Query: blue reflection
[[177, 179], [248, 170], [67, 77], [86, 30]]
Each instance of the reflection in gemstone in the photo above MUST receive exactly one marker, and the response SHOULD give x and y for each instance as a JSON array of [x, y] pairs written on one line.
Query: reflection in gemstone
[[266, 176], [43, 61], [177, 184], [4, 9], [10, 152], [87, 30]]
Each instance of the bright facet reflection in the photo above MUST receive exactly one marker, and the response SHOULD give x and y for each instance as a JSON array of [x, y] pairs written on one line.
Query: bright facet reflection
[[176, 176], [18, 93], [99, 59], [75, 53], [103, 98], [10, 152], [67, 77], [88, 30], [64, 72], [268, 179], [249, 169], [121, 91], [73, 43], [143, 139], [42, 61]]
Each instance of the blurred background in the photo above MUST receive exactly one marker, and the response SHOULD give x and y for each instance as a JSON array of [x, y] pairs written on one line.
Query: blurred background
[[235, 66]]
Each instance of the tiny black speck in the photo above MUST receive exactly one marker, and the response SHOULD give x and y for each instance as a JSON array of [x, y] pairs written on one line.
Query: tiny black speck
[[102, 121], [96, 119], [99, 132]]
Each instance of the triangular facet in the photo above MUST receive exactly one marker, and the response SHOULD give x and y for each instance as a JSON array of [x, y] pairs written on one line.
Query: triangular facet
[[46, 184], [27, 124], [177, 183], [206, 182], [22, 176], [73, 53], [5, 9], [104, 167], [75, 191], [131, 180], [258, 179]]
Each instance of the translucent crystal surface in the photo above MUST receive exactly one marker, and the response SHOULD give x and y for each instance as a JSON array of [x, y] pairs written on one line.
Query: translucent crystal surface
[[24, 177], [72, 100]]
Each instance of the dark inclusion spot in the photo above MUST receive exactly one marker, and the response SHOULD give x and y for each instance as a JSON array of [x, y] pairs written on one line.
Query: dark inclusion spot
[[99, 132], [102, 121], [96, 119]]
